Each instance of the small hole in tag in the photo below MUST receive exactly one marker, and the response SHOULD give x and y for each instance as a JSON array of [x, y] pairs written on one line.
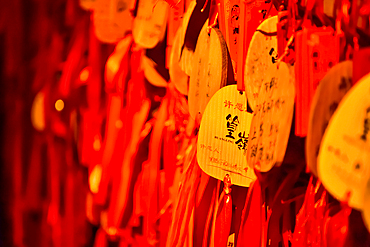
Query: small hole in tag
[[241, 92]]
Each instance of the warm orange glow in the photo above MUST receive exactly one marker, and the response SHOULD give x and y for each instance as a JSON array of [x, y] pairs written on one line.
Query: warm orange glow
[[94, 179], [119, 124], [112, 67], [84, 75], [38, 112], [97, 143], [89, 207], [112, 231], [104, 219], [59, 105]]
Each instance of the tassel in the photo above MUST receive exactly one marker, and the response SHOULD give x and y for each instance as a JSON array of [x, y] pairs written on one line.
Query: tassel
[[223, 222]]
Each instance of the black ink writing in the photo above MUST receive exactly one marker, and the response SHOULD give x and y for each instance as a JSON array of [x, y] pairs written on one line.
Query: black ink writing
[[232, 124], [243, 141]]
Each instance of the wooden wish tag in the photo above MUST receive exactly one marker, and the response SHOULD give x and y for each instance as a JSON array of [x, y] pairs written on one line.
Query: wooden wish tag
[[261, 55], [112, 19], [193, 21], [332, 88], [181, 58], [149, 25], [252, 13], [221, 153], [223, 137], [213, 70], [343, 162], [317, 50], [272, 118]]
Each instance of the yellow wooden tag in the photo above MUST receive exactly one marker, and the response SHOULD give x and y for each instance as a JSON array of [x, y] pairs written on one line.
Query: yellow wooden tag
[[112, 19], [262, 53], [272, 118], [331, 90], [343, 163], [223, 137], [200, 72], [210, 72], [149, 25]]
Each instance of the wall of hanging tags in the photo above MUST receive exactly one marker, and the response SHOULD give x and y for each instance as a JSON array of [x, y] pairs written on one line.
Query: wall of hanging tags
[[185, 123]]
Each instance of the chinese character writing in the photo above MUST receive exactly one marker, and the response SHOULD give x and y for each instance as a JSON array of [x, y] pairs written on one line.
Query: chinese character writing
[[239, 106], [274, 55], [258, 108], [263, 12], [232, 124], [269, 85], [269, 105], [209, 148], [277, 103], [272, 144], [253, 151], [366, 125], [273, 83], [261, 129], [236, 30], [243, 141], [228, 103], [271, 129], [235, 12], [260, 154], [269, 157], [254, 133]]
